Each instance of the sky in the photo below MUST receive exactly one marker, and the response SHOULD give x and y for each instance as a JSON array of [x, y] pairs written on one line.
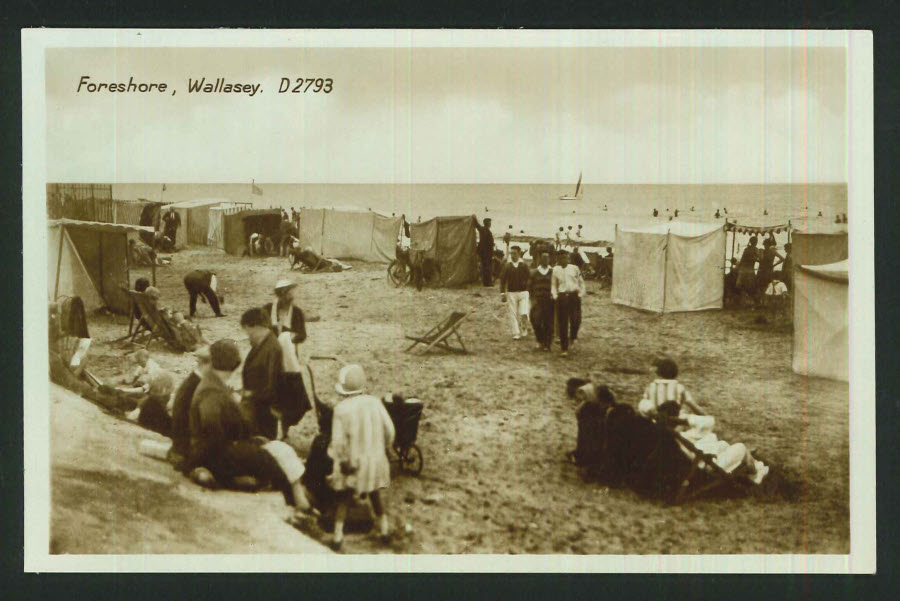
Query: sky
[[454, 115]]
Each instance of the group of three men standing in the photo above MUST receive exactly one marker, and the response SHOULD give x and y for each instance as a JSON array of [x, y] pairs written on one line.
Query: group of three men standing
[[539, 293]]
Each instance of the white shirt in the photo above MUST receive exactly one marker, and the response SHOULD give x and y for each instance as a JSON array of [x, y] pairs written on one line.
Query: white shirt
[[566, 279], [776, 288]]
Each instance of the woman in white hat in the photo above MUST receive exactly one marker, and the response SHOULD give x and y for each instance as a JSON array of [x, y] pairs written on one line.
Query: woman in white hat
[[287, 322], [361, 432]]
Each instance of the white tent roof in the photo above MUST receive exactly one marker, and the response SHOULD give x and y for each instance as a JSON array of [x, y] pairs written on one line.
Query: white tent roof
[[686, 229], [838, 271], [98, 226], [199, 202]]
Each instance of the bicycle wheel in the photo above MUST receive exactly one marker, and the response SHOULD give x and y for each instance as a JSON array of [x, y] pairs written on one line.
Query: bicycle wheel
[[411, 461], [398, 274]]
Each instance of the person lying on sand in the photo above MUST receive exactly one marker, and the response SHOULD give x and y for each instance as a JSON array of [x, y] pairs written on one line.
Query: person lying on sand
[[313, 261], [222, 451], [667, 398]]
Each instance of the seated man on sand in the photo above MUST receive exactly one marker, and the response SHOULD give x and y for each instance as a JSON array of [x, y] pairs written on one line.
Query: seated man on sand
[[666, 398]]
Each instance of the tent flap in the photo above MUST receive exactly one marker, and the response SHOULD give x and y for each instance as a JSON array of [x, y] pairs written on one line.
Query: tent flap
[[639, 270], [694, 272], [821, 325]]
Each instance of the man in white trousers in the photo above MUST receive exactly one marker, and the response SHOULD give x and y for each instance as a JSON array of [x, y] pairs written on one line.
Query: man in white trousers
[[514, 292]]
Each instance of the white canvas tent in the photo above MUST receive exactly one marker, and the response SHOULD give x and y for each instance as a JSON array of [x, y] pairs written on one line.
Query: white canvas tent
[[669, 267], [215, 229], [89, 260], [195, 218], [821, 321]]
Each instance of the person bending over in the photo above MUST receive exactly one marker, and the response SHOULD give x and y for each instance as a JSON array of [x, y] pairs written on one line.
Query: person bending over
[[201, 281]]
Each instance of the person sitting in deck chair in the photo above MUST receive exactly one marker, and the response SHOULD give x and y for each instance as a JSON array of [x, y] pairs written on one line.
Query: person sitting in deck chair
[[666, 398]]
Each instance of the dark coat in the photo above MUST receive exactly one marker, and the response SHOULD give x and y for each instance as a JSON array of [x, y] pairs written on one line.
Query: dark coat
[[298, 323], [215, 422], [181, 413], [261, 374]]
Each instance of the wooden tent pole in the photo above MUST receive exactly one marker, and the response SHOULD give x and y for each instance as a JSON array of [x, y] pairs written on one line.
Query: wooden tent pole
[[59, 261]]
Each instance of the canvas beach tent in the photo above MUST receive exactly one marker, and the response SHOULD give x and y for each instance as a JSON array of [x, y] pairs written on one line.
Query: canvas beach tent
[[215, 229], [822, 321], [89, 260], [350, 234], [820, 244], [237, 228], [195, 218], [450, 241], [668, 267]]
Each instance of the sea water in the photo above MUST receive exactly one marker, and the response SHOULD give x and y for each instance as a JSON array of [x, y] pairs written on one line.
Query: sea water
[[536, 209]]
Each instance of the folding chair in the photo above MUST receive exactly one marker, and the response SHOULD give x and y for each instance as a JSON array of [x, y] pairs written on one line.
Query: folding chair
[[441, 335], [704, 474], [150, 315]]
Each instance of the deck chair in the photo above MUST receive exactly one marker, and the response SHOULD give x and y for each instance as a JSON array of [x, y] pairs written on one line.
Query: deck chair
[[704, 474], [150, 315], [441, 336]]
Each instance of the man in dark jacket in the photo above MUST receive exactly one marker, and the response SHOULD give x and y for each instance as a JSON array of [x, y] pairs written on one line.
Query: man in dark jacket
[[514, 291], [203, 282], [486, 251], [262, 370], [541, 302], [171, 222]]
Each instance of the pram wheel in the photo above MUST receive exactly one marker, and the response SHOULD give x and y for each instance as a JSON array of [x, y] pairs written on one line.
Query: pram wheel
[[411, 460]]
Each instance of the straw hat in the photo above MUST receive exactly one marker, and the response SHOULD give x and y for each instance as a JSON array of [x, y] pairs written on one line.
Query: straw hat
[[284, 284], [351, 380]]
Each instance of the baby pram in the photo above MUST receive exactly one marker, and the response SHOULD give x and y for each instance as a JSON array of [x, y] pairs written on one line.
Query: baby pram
[[405, 414]]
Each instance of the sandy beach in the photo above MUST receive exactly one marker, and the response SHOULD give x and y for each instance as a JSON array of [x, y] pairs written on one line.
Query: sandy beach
[[497, 424]]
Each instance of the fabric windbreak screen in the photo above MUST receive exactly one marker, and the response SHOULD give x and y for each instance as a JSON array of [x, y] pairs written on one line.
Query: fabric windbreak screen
[[819, 248], [639, 270], [347, 235], [385, 235], [359, 235], [456, 251], [450, 241], [694, 272], [821, 325], [312, 228], [114, 266]]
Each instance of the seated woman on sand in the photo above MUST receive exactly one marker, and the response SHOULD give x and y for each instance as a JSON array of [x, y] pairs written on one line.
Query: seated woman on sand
[[667, 398]]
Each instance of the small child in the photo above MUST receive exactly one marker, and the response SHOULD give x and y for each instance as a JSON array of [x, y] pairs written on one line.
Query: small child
[[145, 368], [667, 397]]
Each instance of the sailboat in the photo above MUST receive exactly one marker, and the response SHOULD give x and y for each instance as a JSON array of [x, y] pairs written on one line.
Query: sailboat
[[578, 193]]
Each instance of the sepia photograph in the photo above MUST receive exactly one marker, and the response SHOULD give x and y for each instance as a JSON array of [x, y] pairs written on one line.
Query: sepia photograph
[[449, 300]]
